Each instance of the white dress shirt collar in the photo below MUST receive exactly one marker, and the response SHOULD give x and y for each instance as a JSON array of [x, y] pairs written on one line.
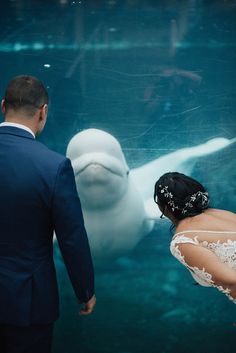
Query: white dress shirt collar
[[20, 126]]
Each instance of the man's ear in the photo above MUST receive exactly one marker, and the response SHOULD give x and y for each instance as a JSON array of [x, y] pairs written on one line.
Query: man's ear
[[42, 118], [3, 106], [44, 112]]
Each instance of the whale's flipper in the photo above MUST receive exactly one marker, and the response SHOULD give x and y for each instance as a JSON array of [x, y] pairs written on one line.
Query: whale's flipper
[[182, 160]]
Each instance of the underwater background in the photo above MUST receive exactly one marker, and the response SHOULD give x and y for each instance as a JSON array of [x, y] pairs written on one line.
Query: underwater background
[[158, 76]]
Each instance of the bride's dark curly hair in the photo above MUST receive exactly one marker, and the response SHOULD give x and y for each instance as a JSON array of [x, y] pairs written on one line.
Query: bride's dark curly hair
[[182, 195]]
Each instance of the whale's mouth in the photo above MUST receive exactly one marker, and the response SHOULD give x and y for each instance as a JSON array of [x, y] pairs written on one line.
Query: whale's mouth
[[92, 162], [96, 166]]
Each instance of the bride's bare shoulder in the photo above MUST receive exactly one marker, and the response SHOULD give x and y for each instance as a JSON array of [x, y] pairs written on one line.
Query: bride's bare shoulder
[[210, 219], [220, 212]]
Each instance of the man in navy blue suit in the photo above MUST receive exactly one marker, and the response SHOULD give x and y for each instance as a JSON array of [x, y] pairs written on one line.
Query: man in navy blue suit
[[37, 197]]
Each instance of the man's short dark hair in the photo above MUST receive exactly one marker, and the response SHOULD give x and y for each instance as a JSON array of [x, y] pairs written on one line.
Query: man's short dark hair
[[25, 92]]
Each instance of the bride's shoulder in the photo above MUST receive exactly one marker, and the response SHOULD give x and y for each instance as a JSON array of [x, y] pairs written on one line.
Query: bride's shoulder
[[217, 211], [221, 215], [189, 223], [211, 219]]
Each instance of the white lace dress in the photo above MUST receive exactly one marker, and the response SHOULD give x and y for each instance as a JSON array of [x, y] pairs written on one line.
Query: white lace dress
[[225, 251]]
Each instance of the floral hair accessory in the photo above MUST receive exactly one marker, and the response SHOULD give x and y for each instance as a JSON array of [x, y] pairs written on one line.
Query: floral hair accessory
[[166, 193], [188, 205], [204, 197]]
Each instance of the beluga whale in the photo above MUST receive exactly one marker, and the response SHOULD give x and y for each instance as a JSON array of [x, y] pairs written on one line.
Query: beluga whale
[[117, 203]]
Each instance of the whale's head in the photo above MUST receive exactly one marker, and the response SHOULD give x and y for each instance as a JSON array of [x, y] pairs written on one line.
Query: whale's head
[[100, 169]]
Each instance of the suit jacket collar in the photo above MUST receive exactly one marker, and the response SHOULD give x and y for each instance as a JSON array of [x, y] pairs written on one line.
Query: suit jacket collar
[[12, 130]]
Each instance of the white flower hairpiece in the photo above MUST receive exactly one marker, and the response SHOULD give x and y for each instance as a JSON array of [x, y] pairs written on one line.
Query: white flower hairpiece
[[189, 204], [167, 194]]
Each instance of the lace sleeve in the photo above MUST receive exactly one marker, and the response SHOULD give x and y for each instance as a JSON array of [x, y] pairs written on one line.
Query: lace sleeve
[[226, 291], [200, 276], [197, 263]]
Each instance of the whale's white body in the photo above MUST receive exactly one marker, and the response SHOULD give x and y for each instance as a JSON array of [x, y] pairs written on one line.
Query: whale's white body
[[117, 204]]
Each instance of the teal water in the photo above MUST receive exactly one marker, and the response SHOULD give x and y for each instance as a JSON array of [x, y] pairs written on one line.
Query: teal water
[[159, 76]]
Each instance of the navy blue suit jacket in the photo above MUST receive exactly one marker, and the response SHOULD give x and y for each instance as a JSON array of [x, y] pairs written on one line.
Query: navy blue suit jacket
[[37, 196]]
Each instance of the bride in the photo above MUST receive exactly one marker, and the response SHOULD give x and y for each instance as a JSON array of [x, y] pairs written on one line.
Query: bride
[[205, 238]]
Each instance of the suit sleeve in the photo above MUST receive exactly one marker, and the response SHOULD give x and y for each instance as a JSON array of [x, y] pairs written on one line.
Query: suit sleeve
[[71, 234]]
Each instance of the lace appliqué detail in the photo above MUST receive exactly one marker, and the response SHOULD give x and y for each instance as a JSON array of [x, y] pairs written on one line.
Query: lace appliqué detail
[[226, 291], [201, 276], [225, 251]]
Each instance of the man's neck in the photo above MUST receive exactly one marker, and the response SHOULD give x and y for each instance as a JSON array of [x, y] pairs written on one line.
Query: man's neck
[[28, 123], [19, 126]]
